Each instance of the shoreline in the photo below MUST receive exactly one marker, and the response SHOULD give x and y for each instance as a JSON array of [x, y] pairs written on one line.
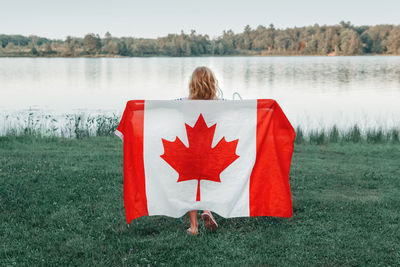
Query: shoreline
[[200, 56]]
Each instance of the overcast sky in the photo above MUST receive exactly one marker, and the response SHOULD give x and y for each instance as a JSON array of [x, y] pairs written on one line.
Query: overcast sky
[[148, 18]]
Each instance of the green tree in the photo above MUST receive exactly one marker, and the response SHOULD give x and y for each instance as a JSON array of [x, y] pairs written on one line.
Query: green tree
[[349, 42], [47, 48], [110, 46], [122, 48], [375, 39], [91, 43], [34, 51], [69, 47]]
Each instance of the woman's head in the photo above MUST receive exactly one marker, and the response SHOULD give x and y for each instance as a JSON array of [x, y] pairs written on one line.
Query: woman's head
[[203, 84]]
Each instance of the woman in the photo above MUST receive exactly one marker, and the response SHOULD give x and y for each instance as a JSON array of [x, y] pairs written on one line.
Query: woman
[[203, 85]]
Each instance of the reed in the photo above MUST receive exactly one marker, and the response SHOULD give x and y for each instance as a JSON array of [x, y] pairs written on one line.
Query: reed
[[300, 138], [334, 134], [317, 137], [352, 135], [77, 126], [394, 135], [82, 125]]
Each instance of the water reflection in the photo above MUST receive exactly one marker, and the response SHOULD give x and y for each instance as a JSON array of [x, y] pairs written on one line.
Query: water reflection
[[314, 91]]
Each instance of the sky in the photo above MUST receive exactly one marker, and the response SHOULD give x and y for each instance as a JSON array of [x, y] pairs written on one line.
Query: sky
[[151, 19]]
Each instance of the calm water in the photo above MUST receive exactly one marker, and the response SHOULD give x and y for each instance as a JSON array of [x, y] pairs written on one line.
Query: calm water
[[314, 92]]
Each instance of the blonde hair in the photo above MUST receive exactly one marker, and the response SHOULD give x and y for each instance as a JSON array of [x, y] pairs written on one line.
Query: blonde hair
[[203, 84]]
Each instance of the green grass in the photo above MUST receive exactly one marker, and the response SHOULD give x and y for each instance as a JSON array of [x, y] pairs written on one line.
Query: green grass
[[61, 203]]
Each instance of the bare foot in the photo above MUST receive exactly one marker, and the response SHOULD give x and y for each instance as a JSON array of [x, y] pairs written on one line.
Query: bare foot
[[193, 231]]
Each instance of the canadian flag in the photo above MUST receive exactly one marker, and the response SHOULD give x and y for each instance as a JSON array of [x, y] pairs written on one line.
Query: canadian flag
[[229, 157]]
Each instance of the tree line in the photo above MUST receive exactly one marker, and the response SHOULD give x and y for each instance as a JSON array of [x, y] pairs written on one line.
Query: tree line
[[341, 39]]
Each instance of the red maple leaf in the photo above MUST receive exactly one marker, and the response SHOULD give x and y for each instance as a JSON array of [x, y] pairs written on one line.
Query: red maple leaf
[[199, 161]]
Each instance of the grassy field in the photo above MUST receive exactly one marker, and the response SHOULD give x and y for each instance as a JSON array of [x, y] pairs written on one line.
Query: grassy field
[[61, 203]]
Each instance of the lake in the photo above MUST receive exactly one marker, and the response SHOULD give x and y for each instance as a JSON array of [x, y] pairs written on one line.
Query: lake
[[314, 92]]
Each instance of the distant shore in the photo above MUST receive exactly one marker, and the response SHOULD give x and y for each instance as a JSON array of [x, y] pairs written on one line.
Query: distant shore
[[343, 39], [209, 55]]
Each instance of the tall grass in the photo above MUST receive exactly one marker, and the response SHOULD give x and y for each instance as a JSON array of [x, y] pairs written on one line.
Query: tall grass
[[82, 125], [352, 135], [68, 125]]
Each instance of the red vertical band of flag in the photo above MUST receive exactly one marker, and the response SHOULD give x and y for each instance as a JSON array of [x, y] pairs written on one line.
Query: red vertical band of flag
[[132, 122], [270, 193]]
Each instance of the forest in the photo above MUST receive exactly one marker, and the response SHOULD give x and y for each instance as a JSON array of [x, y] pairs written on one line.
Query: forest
[[333, 40]]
